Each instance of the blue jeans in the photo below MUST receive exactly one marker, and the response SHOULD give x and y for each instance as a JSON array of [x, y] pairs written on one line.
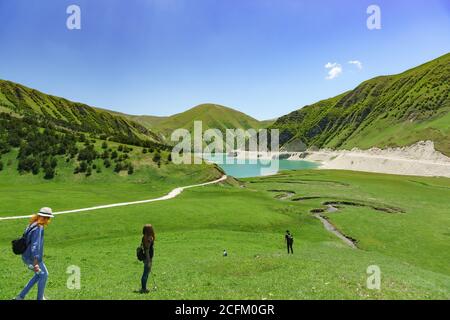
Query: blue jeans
[[147, 269], [40, 279]]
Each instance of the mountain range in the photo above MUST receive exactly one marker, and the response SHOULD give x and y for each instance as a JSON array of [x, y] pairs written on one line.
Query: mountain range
[[385, 111]]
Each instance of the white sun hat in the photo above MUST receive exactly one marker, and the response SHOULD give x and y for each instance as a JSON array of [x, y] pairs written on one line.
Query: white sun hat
[[46, 212]]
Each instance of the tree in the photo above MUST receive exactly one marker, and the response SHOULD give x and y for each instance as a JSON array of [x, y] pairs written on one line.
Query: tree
[[104, 145], [83, 166], [156, 157], [105, 154], [107, 163], [118, 167], [88, 154], [120, 148], [144, 151], [49, 173], [53, 163], [88, 172], [130, 169], [1, 165]]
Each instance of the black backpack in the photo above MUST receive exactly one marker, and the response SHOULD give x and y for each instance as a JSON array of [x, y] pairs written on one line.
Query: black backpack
[[140, 252], [20, 245]]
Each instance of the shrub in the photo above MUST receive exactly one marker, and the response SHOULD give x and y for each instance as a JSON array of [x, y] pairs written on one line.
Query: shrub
[[107, 163], [157, 157], [49, 173], [105, 155], [88, 154], [119, 167], [83, 167], [53, 163]]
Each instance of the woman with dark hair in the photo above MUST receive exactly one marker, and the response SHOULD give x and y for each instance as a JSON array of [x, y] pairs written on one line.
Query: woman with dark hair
[[148, 240]]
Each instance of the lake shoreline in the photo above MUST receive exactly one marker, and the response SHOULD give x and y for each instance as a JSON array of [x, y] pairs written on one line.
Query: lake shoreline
[[419, 159]]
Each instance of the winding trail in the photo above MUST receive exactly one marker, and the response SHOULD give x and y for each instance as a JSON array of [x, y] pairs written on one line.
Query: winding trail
[[287, 194], [172, 194], [328, 226]]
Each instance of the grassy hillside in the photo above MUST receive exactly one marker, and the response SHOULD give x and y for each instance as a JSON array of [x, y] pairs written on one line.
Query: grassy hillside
[[212, 116], [150, 122], [22, 101], [249, 222], [385, 111], [152, 175]]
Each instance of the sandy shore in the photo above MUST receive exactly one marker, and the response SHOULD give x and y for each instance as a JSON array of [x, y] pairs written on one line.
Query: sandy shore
[[420, 159]]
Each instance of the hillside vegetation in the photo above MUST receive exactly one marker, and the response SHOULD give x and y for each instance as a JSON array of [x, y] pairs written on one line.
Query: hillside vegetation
[[19, 100], [213, 116], [386, 111]]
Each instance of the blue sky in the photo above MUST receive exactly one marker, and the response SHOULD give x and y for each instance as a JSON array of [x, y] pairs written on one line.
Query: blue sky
[[262, 57]]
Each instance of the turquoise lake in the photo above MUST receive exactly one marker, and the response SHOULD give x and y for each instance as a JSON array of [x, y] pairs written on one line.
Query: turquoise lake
[[247, 170]]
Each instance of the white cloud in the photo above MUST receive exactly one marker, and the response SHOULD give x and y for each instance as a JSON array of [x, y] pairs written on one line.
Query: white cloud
[[357, 63], [334, 70]]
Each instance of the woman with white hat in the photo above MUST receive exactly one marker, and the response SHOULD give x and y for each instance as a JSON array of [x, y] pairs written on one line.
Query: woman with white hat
[[33, 256]]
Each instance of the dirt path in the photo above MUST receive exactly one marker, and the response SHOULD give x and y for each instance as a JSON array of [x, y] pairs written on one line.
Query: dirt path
[[328, 226], [172, 194]]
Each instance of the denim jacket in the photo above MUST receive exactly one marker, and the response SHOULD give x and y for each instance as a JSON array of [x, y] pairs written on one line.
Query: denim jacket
[[35, 241]]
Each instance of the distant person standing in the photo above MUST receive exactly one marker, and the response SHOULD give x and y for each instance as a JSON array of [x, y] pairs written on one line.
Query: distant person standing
[[289, 242], [148, 240], [34, 253]]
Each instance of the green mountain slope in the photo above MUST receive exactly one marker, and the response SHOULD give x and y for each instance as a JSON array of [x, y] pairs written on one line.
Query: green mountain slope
[[149, 122], [22, 101], [395, 110], [212, 116]]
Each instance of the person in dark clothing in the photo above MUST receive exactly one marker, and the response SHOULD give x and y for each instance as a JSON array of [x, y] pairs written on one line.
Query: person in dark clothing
[[289, 242], [148, 240]]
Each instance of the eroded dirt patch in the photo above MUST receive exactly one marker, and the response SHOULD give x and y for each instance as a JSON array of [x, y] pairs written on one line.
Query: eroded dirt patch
[[388, 209], [306, 198], [283, 194], [351, 242]]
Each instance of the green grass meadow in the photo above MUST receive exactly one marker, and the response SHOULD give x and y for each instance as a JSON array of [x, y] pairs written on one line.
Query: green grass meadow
[[411, 248]]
